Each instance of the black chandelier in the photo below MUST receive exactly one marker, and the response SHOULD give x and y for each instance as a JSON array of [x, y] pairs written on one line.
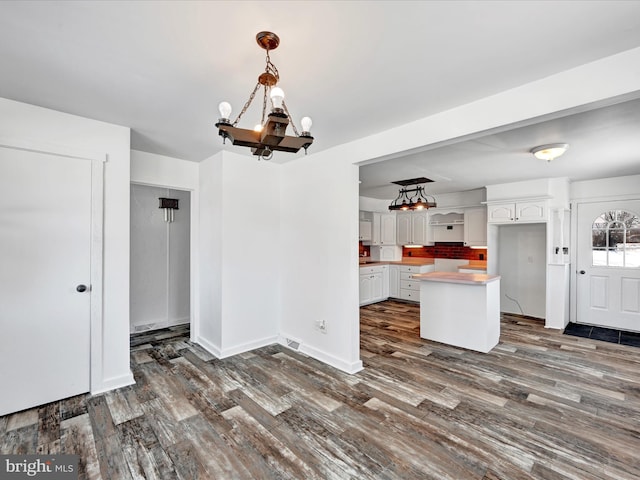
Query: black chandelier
[[412, 198], [270, 135]]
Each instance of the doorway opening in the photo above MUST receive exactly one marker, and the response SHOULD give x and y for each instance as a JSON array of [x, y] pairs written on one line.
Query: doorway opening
[[160, 258]]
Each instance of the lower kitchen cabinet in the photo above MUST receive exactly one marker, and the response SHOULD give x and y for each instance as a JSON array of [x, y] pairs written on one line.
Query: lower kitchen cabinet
[[374, 284], [404, 287]]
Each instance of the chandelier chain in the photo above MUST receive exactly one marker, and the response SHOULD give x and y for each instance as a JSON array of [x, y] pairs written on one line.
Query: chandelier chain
[[246, 105], [271, 68], [264, 106], [293, 125]]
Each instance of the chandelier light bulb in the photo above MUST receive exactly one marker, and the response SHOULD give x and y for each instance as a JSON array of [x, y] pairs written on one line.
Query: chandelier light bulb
[[306, 124], [225, 110], [277, 97]]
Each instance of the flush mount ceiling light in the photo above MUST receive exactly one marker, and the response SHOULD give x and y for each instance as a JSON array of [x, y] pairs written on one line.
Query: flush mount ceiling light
[[413, 198], [270, 135], [549, 152]]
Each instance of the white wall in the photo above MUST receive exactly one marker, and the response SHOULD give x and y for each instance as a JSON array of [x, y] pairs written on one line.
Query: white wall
[[601, 189], [41, 127], [523, 269], [320, 258], [208, 328], [240, 253], [163, 171]]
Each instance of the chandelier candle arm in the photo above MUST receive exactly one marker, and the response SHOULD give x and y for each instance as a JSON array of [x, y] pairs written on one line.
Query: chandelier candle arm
[[272, 135]]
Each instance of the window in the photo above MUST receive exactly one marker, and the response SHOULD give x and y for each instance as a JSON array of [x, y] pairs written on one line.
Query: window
[[615, 240]]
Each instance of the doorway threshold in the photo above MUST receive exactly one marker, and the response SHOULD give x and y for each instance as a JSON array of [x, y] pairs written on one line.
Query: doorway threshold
[[610, 335]]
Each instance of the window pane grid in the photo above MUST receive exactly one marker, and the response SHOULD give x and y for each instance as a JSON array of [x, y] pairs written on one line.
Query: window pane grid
[[615, 240]]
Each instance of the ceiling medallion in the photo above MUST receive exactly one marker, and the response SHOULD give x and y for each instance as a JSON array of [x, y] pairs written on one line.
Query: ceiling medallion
[[270, 135]]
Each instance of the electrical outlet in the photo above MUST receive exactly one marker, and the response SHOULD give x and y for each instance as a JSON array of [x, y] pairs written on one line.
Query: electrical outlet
[[321, 325]]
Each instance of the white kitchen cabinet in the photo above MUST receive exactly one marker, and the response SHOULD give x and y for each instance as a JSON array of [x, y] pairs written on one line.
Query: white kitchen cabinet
[[374, 284], [394, 281], [521, 212], [412, 228], [383, 229], [409, 289], [365, 231], [387, 229], [475, 227]]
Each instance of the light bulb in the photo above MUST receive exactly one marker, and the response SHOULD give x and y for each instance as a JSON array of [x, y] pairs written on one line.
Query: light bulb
[[306, 124], [257, 128], [225, 110], [277, 97]]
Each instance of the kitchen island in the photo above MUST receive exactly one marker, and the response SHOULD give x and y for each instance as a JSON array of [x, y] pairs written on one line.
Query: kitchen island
[[460, 309]]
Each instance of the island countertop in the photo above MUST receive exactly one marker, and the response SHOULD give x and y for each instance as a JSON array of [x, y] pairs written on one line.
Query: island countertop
[[456, 277]]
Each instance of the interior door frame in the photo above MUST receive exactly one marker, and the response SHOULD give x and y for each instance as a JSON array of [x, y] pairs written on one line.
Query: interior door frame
[[97, 160], [194, 271], [573, 310]]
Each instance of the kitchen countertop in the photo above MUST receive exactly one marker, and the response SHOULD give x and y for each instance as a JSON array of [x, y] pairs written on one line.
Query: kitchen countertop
[[474, 265], [456, 277], [404, 261]]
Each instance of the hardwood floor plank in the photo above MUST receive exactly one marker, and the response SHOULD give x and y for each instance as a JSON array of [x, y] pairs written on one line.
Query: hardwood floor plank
[[77, 439]]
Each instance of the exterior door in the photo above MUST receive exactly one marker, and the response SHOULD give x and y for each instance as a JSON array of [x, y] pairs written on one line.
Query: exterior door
[[608, 264], [45, 248]]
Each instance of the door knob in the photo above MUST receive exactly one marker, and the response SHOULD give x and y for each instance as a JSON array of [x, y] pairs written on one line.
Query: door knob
[[582, 272], [81, 288]]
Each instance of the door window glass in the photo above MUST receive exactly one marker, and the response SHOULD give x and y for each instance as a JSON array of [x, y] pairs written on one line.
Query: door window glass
[[615, 240]]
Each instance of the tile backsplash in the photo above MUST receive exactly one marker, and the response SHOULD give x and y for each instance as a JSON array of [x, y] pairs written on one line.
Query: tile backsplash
[[446, 250]]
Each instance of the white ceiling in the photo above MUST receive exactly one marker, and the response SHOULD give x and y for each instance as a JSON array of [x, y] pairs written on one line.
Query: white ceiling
[[356, 67]]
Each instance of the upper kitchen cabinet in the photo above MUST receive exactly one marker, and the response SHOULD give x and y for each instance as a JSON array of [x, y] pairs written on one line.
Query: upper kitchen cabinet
[[533, 211], [383, 229], [446, 225], [412, 228], [475, 227], [366, 226]]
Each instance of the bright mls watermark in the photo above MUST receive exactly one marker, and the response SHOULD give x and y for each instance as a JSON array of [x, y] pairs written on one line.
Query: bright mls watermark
[[51, 467]]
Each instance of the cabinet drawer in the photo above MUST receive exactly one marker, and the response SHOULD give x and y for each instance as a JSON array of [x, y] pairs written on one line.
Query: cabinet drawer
[[376, 269], [413, 295], [406, 276], [410, 285], [410, 268]]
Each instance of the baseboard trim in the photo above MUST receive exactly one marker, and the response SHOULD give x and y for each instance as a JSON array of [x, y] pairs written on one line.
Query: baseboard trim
[[247, 347], [321, 355], [208, 346], [113, 383]]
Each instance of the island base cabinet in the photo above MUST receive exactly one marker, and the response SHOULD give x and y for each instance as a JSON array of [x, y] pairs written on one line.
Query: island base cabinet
[[466, 316]]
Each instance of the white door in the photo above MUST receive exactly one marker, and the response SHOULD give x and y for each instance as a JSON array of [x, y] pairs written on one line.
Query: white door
[[608, 264], [45, 240]]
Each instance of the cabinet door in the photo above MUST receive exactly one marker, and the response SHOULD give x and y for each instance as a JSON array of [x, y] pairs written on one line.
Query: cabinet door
[[475, 227], [375, 229], [394, 281], [387, 229], [531, 212], [365, 231], [403, 224], [377, 287], [419, 224], [366, 291], [501, 213]]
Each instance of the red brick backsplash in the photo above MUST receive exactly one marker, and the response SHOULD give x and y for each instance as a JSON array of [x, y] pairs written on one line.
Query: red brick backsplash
[[364, 250], [446, 250]]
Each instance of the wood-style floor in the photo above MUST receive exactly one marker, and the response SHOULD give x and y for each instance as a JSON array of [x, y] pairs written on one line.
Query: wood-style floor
[[541, 405]]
